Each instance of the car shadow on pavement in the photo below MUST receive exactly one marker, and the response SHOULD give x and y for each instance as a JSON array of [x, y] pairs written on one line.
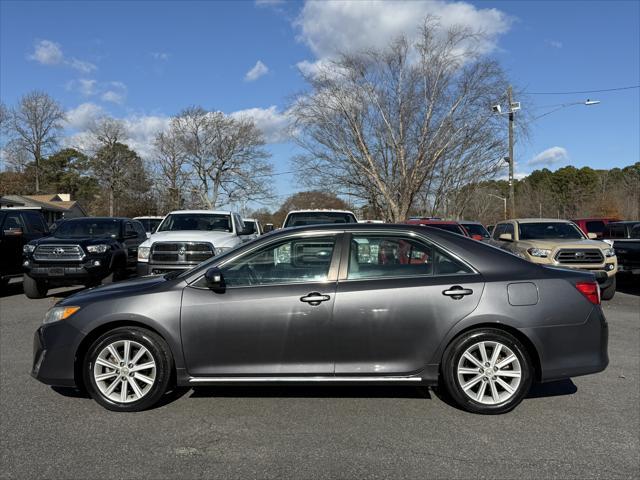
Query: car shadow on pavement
[[13, 288], [311, 391], [552, 389]]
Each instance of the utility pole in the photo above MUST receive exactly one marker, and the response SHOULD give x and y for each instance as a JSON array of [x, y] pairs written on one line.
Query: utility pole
[[512, 202]]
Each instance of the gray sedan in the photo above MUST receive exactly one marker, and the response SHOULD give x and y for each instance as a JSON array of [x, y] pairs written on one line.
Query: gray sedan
[[357, 303]]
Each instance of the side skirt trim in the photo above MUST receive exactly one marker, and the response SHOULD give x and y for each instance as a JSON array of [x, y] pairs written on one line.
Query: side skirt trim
[[332, 379]]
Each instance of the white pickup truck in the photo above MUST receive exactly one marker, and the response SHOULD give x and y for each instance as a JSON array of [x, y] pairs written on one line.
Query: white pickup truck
[[186, 238]]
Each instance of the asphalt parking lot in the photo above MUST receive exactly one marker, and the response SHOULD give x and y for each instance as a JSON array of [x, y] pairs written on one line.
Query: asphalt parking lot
[[588, 427]]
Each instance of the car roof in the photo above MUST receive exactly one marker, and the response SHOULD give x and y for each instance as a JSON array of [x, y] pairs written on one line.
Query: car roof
[[320, 210], [588, 219], [418, 221], [148, 217], [536, 220], [470, 222], [624, 222], [212, 212], [99, 218]]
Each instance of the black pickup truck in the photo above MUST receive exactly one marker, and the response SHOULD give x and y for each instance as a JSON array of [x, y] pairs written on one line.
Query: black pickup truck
[[17, 227], [82, 251], [626, 242]]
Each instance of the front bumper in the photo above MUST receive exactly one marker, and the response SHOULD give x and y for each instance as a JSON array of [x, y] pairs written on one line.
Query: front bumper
[[69, 273], [572, 350], [144, 268], [54, 351]]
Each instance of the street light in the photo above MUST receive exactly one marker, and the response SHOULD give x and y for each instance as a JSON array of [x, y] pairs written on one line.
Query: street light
[[514, 107], [504, 200]]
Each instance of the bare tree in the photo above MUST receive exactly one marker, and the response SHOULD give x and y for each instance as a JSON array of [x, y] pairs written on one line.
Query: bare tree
[[413, 118], [226, 156], [170, 161], [36, 124], [107, 131]]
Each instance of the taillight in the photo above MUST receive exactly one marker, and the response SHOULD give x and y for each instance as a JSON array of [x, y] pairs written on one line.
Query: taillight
[[591, 290]]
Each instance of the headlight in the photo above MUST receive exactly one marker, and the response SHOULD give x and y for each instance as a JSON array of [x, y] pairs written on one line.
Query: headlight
[[539, 252], [609, 252], [28, 248], [59, 313], [143, 254], [221, 250], [97, 248]]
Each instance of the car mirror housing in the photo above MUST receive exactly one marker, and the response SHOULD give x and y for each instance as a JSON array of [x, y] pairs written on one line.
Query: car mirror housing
[[507, 237], [214, 280]]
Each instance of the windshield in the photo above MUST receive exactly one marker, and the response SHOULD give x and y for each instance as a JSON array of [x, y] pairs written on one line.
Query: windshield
[[476, 229], [196, 221], [88, 228], [150, 224], [318, 218], [544, 230]]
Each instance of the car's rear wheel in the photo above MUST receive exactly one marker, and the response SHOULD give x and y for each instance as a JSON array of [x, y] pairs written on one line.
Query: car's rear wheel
[[128, 369], [610, 291], [34, 288], [487, 371]]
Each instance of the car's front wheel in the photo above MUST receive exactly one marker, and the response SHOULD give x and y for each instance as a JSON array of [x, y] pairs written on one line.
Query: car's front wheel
[[128, 369], [487, 371]]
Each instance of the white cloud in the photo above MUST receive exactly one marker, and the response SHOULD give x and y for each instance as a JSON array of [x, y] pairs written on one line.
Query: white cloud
[[86, 86], [113, 97], [550, 156], [164, 56], [46, 52], [258, 70], [81, 117], [554, 43], [331, 27], [274, 125]]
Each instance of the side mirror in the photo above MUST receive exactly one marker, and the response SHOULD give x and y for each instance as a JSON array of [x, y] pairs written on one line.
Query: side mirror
[[268, 228], [592, 235], [214, 280], [507, 237]]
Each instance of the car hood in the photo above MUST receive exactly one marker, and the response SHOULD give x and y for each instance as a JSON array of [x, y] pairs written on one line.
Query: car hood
[[53, 240], [551, 244], [124, 288], [218, 239]]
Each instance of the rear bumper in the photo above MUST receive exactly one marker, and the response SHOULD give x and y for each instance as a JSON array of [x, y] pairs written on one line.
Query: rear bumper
[[572, 350]]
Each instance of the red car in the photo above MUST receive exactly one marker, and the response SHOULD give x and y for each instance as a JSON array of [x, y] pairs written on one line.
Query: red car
[[593, 225]]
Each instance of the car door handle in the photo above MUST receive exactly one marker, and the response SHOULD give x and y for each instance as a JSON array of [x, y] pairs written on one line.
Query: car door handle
[[315, 298], [457, 292]]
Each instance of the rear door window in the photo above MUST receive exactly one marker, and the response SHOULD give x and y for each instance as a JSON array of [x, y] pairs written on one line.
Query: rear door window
[[383, 256], [36, 223], [13, 224]]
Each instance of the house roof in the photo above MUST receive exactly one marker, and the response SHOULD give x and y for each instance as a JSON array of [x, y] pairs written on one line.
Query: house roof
[[50, 202]]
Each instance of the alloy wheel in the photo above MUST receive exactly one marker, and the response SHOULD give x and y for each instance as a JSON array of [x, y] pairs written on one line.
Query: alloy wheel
[[124, 371], [489, 372]]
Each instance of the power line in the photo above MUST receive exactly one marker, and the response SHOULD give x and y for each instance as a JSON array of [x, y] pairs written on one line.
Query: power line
[[584, 91]]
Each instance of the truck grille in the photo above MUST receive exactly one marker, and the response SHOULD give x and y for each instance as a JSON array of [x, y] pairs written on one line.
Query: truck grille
[[182, 253], [579, 255], [58, 253]]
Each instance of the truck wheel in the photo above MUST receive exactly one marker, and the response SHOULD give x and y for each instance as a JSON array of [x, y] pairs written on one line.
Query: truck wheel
[[34, 288], [610, 291]]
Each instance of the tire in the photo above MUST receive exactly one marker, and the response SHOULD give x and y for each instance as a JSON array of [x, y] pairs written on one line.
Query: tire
[[138, 394], [457, 371], [610, 291], [34, 288], [115, 276]]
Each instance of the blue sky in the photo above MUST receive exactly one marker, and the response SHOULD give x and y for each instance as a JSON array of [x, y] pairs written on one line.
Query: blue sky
[[144, 61]]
